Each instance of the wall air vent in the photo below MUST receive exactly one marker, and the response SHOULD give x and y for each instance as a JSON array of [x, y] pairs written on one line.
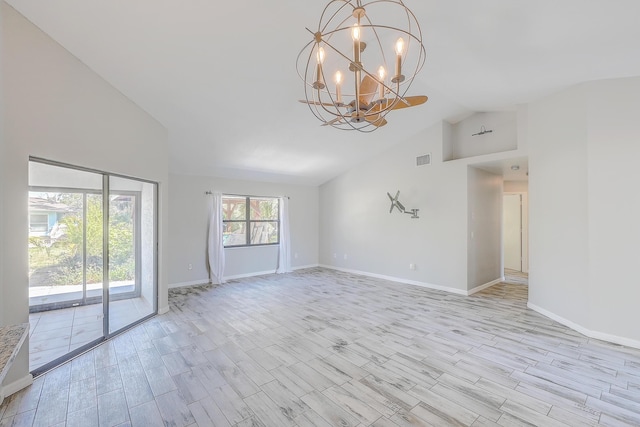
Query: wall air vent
[[423, 160]]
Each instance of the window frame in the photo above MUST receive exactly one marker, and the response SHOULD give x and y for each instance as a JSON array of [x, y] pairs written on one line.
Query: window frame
[[247, 221]]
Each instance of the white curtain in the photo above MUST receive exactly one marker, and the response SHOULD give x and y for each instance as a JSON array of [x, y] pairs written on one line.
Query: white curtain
[[215, 244], [284, 252]]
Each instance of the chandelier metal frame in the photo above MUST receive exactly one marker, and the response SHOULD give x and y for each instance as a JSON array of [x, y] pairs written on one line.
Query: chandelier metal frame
[[373, 96]]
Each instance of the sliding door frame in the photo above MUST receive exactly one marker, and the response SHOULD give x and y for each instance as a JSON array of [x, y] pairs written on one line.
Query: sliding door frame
[[105, 256]]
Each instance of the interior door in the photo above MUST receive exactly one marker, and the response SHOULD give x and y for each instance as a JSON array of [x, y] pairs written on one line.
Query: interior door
[[512, 231]]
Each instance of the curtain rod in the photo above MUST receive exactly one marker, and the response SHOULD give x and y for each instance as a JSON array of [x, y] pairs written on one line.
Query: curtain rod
[[209, 192]]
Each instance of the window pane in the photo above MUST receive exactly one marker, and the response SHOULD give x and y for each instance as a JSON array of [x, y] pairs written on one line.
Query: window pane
[[234, 208], [55, 251], [122, 244], [234, 234], [266, 208], [94, 244], [264, 233]]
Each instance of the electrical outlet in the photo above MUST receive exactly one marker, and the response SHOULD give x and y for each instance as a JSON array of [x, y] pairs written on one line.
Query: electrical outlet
[[190, 266], [345, 256], [295, 255], [335, 256], [412, 266]]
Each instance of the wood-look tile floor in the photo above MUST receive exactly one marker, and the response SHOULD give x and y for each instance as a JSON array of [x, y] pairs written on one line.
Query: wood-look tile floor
[[325, 348], [515, 277]]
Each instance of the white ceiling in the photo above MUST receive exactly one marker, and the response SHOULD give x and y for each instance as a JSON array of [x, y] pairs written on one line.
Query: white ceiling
[[221, 75]]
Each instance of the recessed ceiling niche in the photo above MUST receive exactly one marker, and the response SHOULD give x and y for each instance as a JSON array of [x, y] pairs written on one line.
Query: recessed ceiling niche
[[480, 134]]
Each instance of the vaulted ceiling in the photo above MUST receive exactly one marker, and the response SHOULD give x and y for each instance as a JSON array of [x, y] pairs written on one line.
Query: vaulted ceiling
[[221, 75]]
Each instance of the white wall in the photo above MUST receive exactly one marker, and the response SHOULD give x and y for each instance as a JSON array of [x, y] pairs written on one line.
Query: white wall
[[57, 108], [2, 165], [188, 228], [355, 219], [504, 135], [584, 233], [613, 146], [447, 141], [516, 186], [558, 217], [484, 261]]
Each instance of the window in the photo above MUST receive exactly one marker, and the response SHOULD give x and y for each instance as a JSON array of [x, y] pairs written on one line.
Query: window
[[39, 224], [250, 221]]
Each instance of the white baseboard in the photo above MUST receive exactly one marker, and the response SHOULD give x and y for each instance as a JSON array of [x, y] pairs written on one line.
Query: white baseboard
[[398, 280], [485, 286], [237, 276], [302, 267], [584, 331], [245, 275], [163, 310], [208, 282], [9, 389], [263, 273]]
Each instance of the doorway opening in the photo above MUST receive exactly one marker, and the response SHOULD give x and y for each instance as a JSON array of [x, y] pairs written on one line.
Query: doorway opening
[[79, 297], [515, 237]]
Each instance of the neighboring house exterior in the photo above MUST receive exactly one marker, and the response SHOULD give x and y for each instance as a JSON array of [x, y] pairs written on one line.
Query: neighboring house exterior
[[44, 216]]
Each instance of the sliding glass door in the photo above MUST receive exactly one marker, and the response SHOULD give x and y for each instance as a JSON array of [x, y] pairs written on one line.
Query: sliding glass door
[[132, 277], [77, 297]]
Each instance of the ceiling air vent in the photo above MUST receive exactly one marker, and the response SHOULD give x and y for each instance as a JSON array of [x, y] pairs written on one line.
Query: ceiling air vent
[[423, 160]]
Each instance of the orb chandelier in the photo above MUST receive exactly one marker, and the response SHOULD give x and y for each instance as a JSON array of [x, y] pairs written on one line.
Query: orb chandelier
[[361, 62]]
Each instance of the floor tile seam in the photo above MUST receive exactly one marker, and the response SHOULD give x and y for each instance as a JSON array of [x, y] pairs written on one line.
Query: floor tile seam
[[68, 392], [531, 409], [425, 403], [526, 385], [624, 411], [571, 387], [21, 397]]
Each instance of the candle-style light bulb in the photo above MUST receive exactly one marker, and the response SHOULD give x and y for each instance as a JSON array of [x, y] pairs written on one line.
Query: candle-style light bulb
[[320, 55], [400, 46], [399, 50], [338, 87], [381, 74], [319, 84], [355, 32], [355, 35]]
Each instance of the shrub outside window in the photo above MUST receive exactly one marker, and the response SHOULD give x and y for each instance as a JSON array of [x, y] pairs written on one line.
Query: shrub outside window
[[250, 221]]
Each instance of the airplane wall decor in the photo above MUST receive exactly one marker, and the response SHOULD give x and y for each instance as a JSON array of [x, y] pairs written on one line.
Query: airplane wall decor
[[395, 203]]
